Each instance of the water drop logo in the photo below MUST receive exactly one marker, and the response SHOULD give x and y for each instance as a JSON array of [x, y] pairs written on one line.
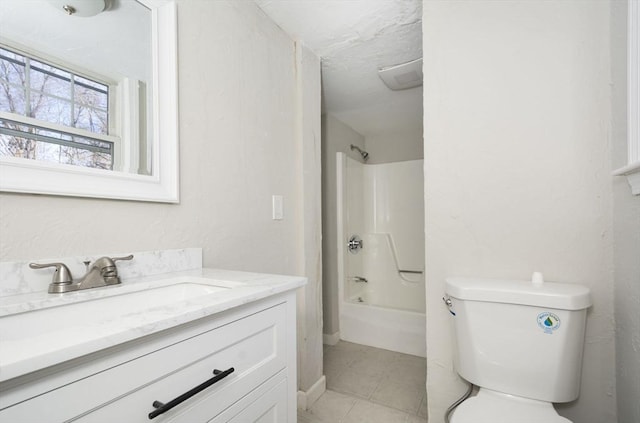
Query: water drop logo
[[548, 322]]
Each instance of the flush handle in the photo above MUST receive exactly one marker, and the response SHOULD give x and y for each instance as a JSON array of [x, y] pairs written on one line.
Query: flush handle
[[449, 304]]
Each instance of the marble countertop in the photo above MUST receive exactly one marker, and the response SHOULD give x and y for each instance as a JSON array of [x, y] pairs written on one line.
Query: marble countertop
[[36, 331]]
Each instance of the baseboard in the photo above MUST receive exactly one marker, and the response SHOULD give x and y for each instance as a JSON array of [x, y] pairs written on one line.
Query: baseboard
[[306, 399], [330, 338]]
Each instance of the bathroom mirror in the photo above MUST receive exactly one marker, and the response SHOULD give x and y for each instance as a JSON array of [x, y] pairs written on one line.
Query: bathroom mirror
[[114, 131], [632, 168]]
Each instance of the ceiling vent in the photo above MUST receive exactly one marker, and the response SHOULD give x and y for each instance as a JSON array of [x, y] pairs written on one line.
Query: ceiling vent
[[401, 77]]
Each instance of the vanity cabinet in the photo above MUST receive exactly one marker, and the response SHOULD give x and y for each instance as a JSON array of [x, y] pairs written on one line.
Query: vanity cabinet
[[254, 343]]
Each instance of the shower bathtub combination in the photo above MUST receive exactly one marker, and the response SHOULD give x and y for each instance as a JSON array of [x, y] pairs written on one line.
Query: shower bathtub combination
[[381, 283]]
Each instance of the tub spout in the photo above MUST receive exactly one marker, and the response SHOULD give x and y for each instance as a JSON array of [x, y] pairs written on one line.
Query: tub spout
[[359, 279]]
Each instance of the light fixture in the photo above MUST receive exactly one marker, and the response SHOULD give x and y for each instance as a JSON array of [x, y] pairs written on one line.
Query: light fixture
[[401, 77], [82, 8]]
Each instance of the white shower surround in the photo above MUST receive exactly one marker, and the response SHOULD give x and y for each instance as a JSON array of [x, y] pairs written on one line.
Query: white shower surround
[[385, 207]]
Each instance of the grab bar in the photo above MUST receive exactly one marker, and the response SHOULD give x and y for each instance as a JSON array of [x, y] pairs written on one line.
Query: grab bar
[[394, 254]]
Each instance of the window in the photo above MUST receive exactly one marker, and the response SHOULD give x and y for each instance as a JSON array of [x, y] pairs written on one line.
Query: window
[[53, 114]]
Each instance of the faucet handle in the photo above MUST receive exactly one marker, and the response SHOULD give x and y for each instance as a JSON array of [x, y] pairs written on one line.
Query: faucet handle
[[62, 274], [129, 257], [107, 265], [108, 262]]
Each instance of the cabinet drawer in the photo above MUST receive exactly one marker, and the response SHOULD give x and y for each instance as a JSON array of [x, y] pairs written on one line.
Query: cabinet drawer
[[254, 346]]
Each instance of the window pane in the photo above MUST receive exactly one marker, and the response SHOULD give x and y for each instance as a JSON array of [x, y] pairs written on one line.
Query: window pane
[[12, 74], [12, 67], [16, 146], [56, 96], [47, 152], [88, 96], [85, 158], [26, 141], [91, 119], [91, 84], [12, 99], [53, 134], [50, 80], [50, 109]]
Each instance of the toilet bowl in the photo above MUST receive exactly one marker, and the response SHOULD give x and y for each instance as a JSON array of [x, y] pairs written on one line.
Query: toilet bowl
[[521, 343], [494, 407]]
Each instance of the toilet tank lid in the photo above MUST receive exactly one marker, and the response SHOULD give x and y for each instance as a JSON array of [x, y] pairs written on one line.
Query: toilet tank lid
[[563, 296]]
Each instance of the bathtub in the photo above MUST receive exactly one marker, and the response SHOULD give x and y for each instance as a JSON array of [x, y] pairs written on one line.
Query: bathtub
[[386, 311], [391, 329]]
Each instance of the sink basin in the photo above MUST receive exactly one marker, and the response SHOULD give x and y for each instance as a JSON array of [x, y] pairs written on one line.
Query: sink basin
[[93, 317]]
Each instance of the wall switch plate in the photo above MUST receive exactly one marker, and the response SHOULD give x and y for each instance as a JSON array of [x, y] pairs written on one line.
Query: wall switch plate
[[278, 209]]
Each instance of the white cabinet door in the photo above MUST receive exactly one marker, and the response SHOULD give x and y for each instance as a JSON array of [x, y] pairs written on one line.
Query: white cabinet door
[[269, 408], [267, 404]]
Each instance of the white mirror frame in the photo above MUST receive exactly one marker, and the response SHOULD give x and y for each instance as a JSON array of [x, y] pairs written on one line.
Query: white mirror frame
[[632, 169], [33, 177]]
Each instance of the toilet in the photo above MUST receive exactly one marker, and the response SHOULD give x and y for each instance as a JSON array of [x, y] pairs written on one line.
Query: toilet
[[521, 343]]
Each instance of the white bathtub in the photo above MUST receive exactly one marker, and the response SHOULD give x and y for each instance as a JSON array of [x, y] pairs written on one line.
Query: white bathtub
[[380, 327]]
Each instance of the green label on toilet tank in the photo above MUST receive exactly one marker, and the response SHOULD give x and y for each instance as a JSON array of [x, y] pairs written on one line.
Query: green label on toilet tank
[[548, 322]]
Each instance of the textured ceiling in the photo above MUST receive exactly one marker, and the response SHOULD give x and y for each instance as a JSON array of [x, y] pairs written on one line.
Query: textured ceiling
[[354, 38]]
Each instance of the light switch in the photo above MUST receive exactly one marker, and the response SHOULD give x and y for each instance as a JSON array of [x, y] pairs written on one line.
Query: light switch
[[278, 211]]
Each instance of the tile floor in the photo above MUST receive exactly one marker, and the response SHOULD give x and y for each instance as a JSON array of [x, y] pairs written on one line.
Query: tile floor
[[370, 385]]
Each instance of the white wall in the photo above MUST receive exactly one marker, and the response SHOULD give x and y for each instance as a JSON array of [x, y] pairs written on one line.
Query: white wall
[[336, 136], [310, 350], [517, 169], [238, 146], [626, 235], [393, 198], [396, 146]]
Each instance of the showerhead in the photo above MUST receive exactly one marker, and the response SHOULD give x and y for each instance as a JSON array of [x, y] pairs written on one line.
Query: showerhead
[[364, 154]]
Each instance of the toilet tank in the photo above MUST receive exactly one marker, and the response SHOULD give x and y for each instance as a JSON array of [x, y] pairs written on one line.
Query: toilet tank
[[519, 338]]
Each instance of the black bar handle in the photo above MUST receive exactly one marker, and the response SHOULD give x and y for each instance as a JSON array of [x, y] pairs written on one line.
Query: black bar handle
[[161, 408]]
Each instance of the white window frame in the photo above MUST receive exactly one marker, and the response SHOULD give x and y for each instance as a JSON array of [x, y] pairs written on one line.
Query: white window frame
[[632, 169]]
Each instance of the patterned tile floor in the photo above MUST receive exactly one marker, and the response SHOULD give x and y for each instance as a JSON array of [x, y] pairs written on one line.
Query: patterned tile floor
[[370, 385]]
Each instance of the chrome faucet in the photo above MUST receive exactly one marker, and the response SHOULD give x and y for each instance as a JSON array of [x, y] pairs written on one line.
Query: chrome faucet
[[102, 272]]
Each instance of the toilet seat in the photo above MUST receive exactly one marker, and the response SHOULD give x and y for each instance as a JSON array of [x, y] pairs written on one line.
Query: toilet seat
[[495, 407]]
